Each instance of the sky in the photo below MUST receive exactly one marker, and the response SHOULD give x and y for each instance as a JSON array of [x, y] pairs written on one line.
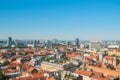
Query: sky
[[61, 19]]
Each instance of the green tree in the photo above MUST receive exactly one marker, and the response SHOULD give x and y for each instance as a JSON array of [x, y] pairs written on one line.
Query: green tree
[[2, 76], [6, 63], [47, 59], [113, 55], [21, 53]]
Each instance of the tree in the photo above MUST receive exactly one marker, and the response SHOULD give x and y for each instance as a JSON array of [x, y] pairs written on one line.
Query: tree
[[21, 53], [63, 57], [113, 55], [74, 49], [47, 59], [2, 76], [6, 63]]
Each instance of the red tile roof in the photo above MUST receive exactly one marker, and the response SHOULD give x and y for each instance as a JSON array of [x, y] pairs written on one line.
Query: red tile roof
[[109, 57], [102, 79], [26, 78], [52, 78], [12, 71], [90, 57], [34, 76], [38, 75], [13, 64], [83, 72], [105, 71], [31, 69], [72, 55]]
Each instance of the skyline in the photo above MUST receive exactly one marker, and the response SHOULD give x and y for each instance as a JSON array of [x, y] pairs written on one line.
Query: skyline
[[61, 19]]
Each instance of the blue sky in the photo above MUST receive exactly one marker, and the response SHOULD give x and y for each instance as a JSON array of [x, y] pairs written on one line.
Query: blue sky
[[63, 19]]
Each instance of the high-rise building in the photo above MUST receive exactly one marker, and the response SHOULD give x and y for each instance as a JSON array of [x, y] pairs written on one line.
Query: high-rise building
[[54, 41], [35, 43], [9, 41], [69, 43], [77, 42], [48, 44], [38, 42]]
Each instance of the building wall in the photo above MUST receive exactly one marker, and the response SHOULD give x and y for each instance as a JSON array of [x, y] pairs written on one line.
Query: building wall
[[51, 67], [86, 78], [95, 45]]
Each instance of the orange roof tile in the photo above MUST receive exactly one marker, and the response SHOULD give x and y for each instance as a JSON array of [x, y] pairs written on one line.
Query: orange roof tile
[[83, 72], [97, 73], [31, 69], [13, 64], [102, 79], [90, 57], [52, 78], [104, 70], [72, 55], [38, 75], [109, 57]]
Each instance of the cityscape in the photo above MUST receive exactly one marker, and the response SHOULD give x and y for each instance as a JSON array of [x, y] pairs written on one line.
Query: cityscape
[[59, 39], [59, 60]]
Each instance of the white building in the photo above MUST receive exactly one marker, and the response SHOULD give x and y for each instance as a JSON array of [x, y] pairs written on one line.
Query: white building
[[95, 45]]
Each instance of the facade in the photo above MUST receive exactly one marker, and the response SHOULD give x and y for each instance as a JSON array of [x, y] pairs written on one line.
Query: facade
[[95, 45], [84, 74], [77, 42], [9, 43], [101, 55], [51, 67], [110, 60], [114, 52]]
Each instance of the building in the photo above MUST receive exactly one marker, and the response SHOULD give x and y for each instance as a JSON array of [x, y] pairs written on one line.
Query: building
[[69, 43], [85, 75], [106, 72], [54, 40], [114, 52], [30, 45], [9, 43], [101, 55], [110, 60], [77, 42], [48, 44], [35, 43], [51, 67], [113, 47], [95, 45]]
